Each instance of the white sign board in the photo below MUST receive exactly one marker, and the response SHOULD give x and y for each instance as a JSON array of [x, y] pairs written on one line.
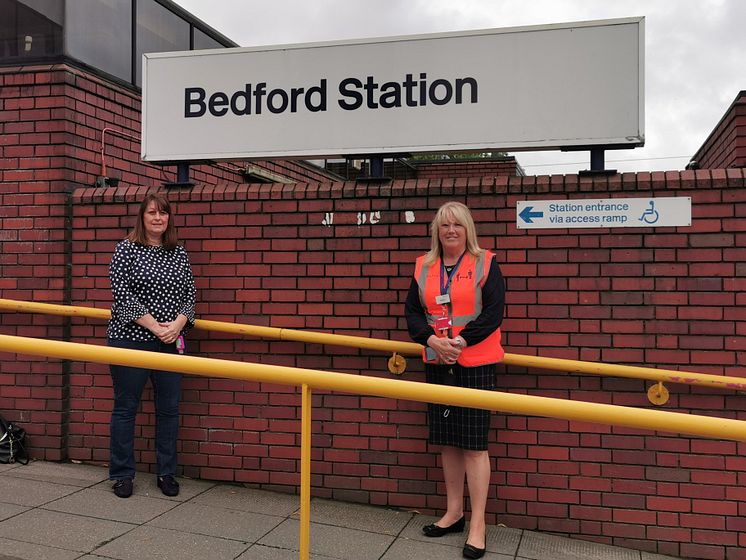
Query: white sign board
[[525, 88], [604, 213]]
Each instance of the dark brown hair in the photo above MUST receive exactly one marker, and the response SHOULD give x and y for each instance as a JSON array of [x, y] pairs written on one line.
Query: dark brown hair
[[138, 235]]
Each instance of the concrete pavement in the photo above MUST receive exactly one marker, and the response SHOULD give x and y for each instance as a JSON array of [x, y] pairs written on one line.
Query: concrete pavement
[[65, 511]]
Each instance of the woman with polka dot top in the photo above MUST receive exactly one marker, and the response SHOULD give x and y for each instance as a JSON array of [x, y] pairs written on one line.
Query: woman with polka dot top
[[154, 295]]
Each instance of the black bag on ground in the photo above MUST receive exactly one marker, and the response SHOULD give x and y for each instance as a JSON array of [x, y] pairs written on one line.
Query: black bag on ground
[[12, 443]]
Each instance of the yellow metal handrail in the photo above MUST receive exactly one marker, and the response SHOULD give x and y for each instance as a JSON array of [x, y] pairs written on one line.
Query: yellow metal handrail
[[375, 386], [409, 348], [719, 428]]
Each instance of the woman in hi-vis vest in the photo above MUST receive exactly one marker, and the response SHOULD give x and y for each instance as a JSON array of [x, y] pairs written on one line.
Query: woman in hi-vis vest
[[454, 308]]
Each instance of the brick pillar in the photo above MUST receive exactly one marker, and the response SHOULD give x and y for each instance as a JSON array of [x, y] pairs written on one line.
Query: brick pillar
[[35, 248]]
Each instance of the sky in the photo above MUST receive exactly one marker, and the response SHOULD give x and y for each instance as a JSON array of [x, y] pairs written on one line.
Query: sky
[[695, 54]]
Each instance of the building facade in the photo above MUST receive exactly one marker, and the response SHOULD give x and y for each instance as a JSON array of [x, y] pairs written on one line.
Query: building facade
[[317, 254]]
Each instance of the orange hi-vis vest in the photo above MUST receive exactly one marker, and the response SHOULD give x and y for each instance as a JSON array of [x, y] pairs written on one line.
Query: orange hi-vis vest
[[466, 304]]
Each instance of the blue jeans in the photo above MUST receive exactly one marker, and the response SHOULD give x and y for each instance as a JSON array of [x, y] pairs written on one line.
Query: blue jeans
[[128, 385]]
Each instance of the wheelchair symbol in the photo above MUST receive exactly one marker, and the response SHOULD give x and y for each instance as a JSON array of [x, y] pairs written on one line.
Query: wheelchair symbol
[[650, 216]]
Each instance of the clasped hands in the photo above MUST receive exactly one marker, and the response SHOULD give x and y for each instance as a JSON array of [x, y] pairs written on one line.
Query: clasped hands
[[448, 350], [169, 332], [166, 332]]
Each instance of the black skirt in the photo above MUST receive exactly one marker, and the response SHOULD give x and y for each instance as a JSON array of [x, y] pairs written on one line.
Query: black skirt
[[455, 426]]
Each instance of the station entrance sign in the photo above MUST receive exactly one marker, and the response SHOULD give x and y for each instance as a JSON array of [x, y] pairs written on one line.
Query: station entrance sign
[[604, 213]]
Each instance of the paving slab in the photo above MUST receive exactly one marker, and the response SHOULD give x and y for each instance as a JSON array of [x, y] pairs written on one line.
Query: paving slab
[[102, 504], [405, 549], [27, 551], [503, 540], [249, 499], [225, 523], [9, 510], [539, 546], [328, 540], [22, 492], [62, 530], [261, 552], [51, 511], [70, 474], [357, 516], [155, 543]]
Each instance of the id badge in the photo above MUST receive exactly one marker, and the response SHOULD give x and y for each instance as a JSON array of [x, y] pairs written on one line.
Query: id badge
[[430, 355], [443, 300], [442, 323]]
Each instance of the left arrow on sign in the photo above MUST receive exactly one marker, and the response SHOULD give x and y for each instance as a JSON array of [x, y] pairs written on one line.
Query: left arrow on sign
[[527, 215]]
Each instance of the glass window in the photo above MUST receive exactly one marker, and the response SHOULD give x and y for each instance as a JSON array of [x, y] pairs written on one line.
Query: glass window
[[30, 29], [99, 33], [158, 30], [203, 41], [51, 9]]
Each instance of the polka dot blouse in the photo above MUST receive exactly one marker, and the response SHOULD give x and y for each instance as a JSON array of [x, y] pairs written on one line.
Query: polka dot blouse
[[148, 279]]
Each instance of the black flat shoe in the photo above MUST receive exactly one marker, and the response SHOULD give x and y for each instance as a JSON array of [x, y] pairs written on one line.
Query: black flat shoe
[[434, 530], [471, 551], [168, 485], [123, 488]]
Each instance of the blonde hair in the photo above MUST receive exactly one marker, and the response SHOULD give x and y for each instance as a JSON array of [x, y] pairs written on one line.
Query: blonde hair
[[460, 214]]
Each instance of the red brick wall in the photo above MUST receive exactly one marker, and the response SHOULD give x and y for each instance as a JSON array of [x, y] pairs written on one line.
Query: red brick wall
[[262, 254], [467, 168], [669, 297], [726, 145], [51, 123], [34, 247]]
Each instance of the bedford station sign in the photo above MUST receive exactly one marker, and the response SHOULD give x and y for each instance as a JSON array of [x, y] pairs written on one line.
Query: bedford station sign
[[528, 88]]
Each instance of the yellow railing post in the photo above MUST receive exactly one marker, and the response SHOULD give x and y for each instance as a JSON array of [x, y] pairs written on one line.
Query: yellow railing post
[[305, 472]]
